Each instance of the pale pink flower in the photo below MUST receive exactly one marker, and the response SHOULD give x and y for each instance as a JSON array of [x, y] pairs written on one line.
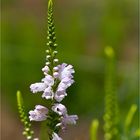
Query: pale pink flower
[[56, 137], [59, 109], [38, 114]]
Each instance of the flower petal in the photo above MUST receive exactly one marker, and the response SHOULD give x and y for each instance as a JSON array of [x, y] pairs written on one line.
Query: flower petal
[[48, 93], [65, 71], [48, 80], [59, 109], [38, 114], [56, 137], [37, 87], [59, 95]]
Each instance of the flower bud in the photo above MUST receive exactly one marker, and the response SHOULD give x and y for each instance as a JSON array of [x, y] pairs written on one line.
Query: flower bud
[[47, 51], [27, 129], [55, 60], [56, 74], [55, 45], [47, 63], [48, 44], [29, 137], [55, 52], [55, 68], [48, 56]]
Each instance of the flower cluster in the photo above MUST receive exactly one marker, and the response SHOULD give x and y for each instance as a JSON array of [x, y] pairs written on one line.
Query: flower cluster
[[54, 88], [57, 79], [62, 76]]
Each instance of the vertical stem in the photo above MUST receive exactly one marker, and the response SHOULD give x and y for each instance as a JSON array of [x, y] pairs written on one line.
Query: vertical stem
[[51, 36], [94, 129], [111, 105]]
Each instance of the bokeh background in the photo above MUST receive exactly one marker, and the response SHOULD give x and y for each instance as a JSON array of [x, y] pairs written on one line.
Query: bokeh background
[[84, 28]]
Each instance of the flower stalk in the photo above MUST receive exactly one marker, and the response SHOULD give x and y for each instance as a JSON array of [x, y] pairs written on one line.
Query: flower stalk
[[94, 129], [24, 118], [57, 79], [51, 53], [111, 104]]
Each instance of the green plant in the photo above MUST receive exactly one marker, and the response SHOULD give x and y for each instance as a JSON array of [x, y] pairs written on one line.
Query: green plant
[[111, 104], [113, 128], [57, 78], [94, 129], [23, 117]]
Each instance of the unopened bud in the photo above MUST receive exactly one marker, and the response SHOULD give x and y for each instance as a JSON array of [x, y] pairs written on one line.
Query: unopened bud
[[27, 129], [55, 68], [48, 56], [55, 45], [29, 137], [55, 52], [48, 44], [47, 51], [45, 69], [56, 74], [55, 60], [47, 63], [24, 133]]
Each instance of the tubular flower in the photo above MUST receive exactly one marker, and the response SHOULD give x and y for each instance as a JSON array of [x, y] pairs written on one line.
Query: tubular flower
[[39, 114], [56, 137], [64, 77], [59, 109]]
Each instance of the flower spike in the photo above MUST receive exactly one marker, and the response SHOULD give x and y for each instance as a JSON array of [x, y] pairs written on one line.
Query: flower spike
[[57, 79], [24, 119]]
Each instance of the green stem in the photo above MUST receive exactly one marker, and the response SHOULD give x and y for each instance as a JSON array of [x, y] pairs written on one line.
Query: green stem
[[24, 118], [111, 105]]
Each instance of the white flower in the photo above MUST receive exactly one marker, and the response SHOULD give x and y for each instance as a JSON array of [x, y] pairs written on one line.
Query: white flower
[[48, 93], [56, 74], [60, 92], [55, 68], [65, 71], [38, 114], [56, 137], [45, 70], [36, 139], [48, 80], [45, 86], [59, 95], [37, 87], [61, 86], [67, 81], [59, 109], [67, 119], [70, 119]]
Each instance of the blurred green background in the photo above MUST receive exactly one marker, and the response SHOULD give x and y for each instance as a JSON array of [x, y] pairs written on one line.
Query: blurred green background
[[84, 28]]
